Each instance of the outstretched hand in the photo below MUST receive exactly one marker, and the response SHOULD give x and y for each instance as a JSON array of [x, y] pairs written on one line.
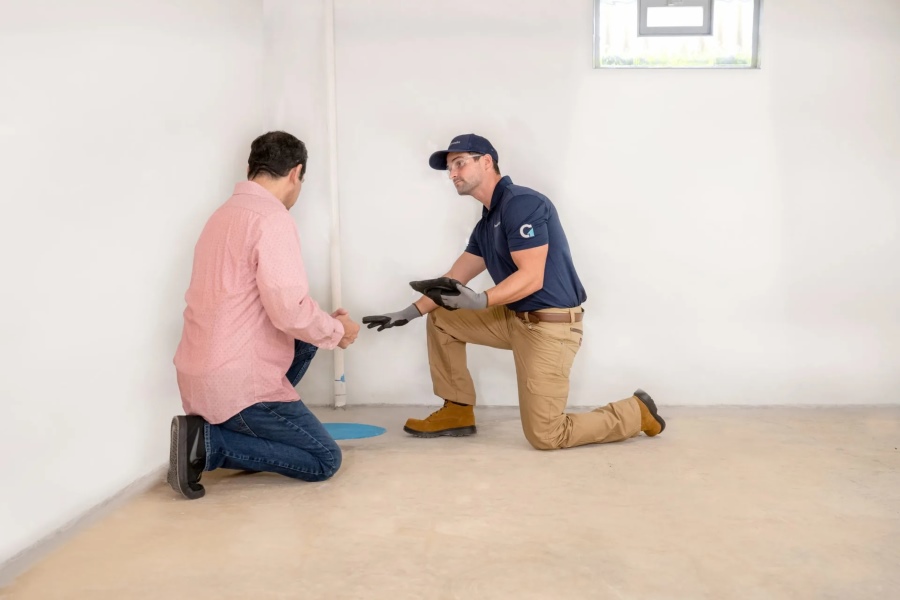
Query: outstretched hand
[[394, 319]]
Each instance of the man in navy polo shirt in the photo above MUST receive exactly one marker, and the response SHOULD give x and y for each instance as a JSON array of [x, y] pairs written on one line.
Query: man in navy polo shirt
[[534, 310]]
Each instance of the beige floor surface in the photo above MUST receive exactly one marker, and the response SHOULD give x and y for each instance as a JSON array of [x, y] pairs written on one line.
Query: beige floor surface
[[728, 503]]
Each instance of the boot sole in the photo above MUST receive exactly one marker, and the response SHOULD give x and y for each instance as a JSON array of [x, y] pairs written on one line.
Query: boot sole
[[651, 406], [177, 478], [455, 432]]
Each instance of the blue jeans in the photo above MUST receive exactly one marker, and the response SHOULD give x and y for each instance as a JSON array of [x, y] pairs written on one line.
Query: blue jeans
[[279, 437]]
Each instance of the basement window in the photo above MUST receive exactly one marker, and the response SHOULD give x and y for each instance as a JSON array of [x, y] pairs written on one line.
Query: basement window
[[676, 33], [675, 17]]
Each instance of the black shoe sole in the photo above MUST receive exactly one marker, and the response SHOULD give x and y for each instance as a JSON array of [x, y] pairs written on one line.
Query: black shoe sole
[[651, 406], [177, 476], [456, 432]]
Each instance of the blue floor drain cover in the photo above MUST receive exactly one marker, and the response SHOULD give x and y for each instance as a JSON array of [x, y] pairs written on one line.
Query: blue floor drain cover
[[352, 431]]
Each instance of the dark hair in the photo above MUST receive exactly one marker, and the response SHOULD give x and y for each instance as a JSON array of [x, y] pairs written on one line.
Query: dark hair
[[276, 153], [496, 165]]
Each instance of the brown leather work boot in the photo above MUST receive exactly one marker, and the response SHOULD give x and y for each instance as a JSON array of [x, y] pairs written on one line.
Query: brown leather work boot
[[651, 423], [451, 419]]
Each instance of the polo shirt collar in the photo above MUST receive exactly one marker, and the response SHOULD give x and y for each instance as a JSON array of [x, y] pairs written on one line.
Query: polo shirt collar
[[504, 183]]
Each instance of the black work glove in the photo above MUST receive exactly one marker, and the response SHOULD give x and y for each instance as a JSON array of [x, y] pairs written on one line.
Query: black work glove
[[450, 293], [394, 319]]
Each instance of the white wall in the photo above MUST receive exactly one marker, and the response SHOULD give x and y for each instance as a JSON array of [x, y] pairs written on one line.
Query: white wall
[[296, 101], [736, 231], [123, 124]]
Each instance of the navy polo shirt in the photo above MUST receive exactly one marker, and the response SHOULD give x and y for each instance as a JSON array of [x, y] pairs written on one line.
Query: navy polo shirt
[[521, 218]]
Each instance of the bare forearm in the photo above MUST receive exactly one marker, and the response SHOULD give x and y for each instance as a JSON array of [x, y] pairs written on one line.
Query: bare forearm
[[425, 305], [515, 287]]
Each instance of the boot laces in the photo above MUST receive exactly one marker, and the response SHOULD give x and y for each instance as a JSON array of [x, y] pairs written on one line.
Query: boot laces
[[440, 410]]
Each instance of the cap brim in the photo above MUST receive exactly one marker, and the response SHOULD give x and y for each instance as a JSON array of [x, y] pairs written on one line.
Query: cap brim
[[438, 160]]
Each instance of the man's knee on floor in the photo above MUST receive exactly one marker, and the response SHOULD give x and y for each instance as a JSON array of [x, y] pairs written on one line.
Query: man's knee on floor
[[332, 463], [543, 441], [545, 435]]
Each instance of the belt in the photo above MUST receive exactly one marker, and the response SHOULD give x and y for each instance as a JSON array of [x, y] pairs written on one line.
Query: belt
[[537, 317]]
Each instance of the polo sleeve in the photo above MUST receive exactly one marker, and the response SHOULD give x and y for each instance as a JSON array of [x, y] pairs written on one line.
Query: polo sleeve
[[525, 222]]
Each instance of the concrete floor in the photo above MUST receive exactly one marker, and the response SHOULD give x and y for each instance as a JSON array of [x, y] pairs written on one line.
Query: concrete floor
[[728, 503]]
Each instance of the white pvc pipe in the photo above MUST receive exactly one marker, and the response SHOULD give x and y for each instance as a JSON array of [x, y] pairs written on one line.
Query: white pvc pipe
[[340, 385]]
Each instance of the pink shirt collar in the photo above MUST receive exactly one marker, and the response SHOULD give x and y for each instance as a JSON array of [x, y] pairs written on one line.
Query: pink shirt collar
[[251, 188]]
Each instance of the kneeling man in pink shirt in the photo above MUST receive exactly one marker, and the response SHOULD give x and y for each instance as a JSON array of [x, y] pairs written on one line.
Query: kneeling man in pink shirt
[[250, 332]]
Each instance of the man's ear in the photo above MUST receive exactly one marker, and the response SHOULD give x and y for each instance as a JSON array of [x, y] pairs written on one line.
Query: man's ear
[[296, 171]]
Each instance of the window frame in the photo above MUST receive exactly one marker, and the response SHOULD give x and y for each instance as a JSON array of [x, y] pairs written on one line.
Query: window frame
[[705, 29], [755, 59]]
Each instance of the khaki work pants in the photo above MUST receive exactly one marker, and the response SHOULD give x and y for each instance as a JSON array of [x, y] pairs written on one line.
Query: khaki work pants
[[543, 353]]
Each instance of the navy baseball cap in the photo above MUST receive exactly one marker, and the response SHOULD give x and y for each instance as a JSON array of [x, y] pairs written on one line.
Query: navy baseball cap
[[468, 142]]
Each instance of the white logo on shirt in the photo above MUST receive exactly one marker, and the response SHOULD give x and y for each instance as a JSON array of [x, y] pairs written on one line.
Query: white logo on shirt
[[497, 224], [526, 231]]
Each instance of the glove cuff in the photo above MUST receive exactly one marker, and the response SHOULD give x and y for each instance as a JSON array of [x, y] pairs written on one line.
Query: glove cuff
[[484, 296], [410, 312]]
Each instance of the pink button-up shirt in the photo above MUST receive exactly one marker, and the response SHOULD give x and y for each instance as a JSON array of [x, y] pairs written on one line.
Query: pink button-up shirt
[[247, 302]]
